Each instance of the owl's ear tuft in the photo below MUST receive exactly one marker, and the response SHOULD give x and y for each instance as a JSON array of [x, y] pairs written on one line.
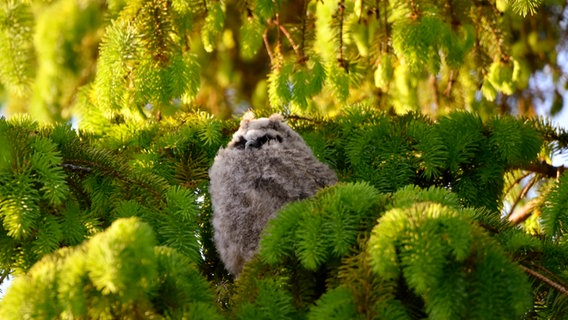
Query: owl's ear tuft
[[246, 119], [276, 118]]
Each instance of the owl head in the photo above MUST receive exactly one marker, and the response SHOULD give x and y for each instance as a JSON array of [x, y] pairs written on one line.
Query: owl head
[[262, 133]]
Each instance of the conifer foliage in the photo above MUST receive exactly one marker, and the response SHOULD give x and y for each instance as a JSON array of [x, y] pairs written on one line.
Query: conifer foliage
[[447, 206], [132, 60], [93, 228]]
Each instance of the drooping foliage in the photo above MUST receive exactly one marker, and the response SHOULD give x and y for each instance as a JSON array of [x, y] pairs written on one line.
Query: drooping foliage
[[114, 61]]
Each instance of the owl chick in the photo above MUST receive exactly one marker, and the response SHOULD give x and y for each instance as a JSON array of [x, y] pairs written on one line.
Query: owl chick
[[265, 166]]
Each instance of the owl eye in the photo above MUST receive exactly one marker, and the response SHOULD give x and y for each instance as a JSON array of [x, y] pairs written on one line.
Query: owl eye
[[241, 144], [262, 140]]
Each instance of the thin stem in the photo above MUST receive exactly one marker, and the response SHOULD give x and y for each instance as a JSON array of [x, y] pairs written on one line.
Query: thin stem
[[517, 181], [342, 61], [451, 82], [558, 286], [434, 85], [522, 214], [543, 168], [84, 164], [387, 34], [267, 45], [304, 28], [522, 195], [290, 39]]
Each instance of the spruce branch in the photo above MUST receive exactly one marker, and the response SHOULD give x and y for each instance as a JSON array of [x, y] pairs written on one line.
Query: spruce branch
[[415, 14], [342, 60], [302, 48], [278, 39], [84, 165], [560, 137], [522, 214], [267, 46], [560, 287], [517, 181], [543, 168], [302, 118], [455, 22], [289, 37], [386, 23], [521, 196], [434, 88], [451, 82]]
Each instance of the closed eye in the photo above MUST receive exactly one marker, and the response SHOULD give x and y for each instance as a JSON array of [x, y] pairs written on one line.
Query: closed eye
[[241, 144], [262, 140]]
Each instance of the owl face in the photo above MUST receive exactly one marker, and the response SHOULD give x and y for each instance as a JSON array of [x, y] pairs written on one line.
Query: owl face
[[258, 133]]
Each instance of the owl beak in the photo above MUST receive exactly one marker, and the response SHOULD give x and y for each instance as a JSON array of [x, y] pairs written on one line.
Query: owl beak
[[252, 144]]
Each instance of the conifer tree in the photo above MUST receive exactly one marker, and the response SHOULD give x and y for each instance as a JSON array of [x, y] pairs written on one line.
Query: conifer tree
[[448, 206]]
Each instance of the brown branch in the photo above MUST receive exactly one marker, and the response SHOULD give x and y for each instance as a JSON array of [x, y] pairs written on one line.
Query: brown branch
[[451, 82], [555, 285], [304, 28], [543, 168], [290, 39], [300, 118], [278, 37], [415, 14], [86, 165], [342, 60], [517, 181], [550, 274], [434, 85], [522, 195], [386, 25], [267, 45], [522, 214], [454, 20]]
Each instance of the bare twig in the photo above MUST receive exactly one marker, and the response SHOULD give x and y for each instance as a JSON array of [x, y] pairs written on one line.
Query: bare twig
[[290, 39], [85, 165], [522, 195], [302, 57], [556, 285], [267, 45], [522, 214], [434, 85], [342, 60], [451, 82], [543, 168], [517, 181]]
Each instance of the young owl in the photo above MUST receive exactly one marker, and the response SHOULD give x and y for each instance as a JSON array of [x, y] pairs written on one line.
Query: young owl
[[265, 166]]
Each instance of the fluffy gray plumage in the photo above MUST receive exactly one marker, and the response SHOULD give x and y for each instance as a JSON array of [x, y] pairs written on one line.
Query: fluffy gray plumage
[[265, 166]]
